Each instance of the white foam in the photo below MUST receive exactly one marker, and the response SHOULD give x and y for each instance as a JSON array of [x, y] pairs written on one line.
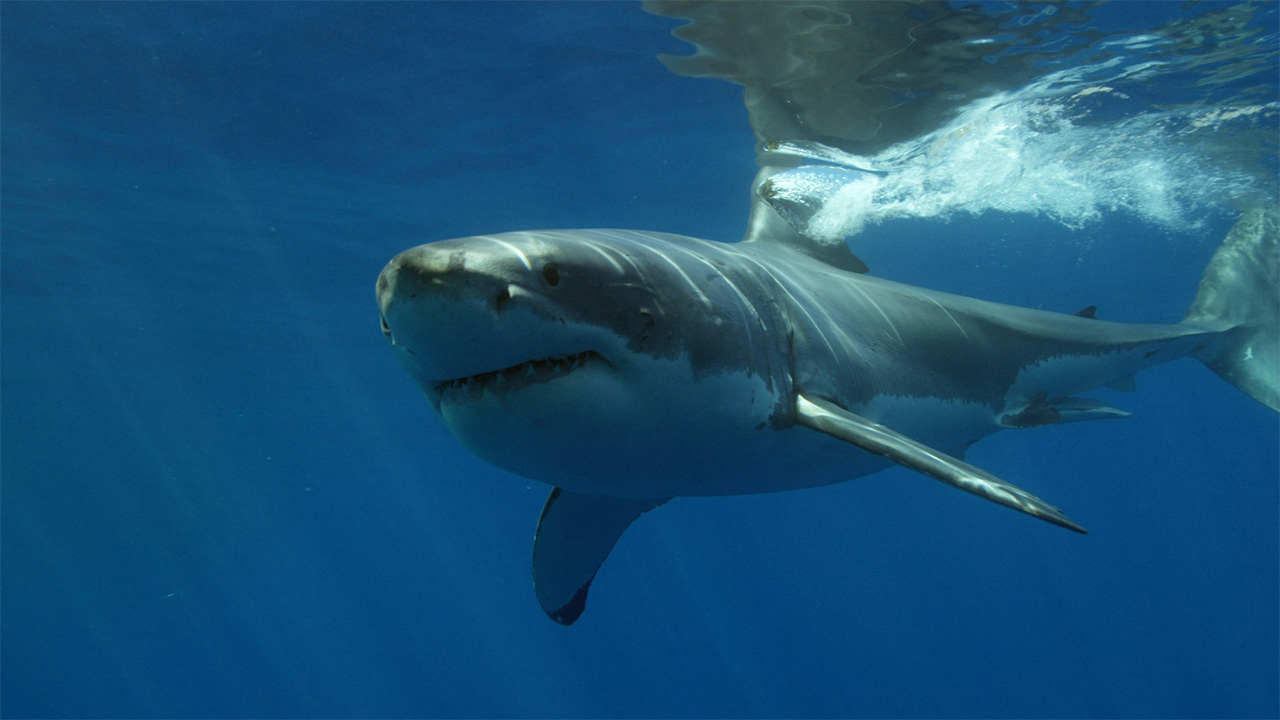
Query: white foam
[[1067, 148]]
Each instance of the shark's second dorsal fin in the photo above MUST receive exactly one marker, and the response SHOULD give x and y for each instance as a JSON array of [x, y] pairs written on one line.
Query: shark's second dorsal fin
[[766, 226]]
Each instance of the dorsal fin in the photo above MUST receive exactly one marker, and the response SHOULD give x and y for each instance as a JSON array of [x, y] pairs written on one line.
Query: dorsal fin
[[766, 226], [1090, 312]]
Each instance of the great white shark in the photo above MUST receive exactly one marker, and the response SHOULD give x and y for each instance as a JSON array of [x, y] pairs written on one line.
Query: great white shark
[[625, 368]]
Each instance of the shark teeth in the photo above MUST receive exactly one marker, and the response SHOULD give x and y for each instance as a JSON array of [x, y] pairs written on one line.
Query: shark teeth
[[511, 379]]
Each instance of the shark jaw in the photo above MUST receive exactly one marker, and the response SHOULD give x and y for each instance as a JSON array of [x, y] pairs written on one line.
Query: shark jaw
[[513, 379]]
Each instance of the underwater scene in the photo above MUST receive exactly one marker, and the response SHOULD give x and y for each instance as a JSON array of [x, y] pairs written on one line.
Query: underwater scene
[[341, 344]]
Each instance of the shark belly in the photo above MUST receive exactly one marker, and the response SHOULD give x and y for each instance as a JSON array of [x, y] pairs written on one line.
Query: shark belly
[[685, 436], [681, 434]]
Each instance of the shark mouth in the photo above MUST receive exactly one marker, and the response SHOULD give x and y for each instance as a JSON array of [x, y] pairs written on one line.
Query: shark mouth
[[516, 377]]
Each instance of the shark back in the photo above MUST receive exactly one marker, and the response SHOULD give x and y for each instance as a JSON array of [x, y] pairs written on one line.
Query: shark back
[[949, 369]]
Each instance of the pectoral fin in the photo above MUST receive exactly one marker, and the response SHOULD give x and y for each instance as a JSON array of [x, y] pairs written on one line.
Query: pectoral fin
[[839, 423], [575, 534]]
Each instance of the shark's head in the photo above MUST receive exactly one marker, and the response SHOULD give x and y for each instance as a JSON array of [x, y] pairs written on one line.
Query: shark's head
[[568, 356]]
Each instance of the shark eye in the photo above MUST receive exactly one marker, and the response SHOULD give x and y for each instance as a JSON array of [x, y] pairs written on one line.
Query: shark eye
[[551, 274]]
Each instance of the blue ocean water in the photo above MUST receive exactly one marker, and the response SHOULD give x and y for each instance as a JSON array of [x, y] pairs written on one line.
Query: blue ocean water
[[221, 496]]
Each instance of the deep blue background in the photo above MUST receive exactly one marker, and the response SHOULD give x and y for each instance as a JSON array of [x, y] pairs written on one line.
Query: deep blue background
[[222, 496]]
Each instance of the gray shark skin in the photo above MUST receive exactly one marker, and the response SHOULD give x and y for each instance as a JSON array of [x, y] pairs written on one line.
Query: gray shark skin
[[626, 368]]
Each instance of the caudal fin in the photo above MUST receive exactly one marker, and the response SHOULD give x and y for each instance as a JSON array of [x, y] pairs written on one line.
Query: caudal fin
[[1240, 294]]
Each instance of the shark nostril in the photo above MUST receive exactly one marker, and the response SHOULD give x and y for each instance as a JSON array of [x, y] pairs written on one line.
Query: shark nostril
[[386, 329]]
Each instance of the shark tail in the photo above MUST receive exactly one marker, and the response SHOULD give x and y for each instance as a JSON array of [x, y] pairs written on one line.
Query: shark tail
[[1240, 295]]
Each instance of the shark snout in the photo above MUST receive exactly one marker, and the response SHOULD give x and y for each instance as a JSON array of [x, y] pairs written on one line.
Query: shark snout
[[453, 312], [443, 274]]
